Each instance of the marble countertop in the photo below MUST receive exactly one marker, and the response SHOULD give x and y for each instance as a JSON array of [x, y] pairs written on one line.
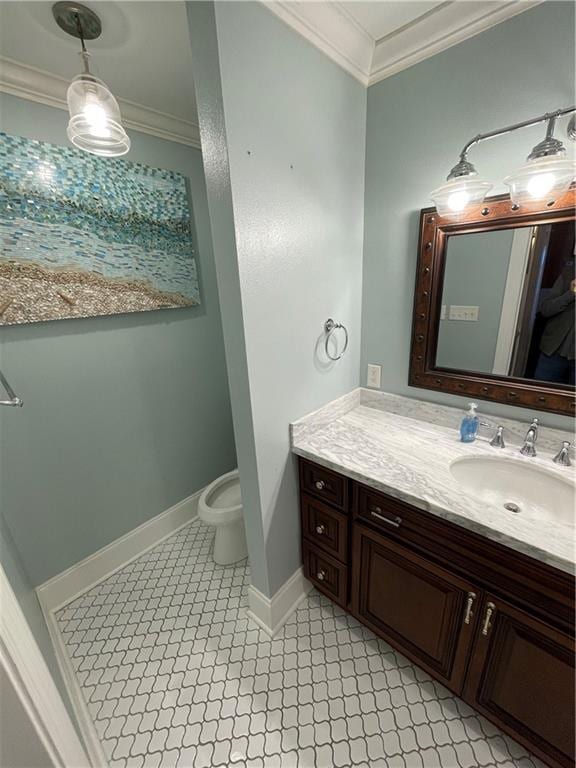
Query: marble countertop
[[409, 458]]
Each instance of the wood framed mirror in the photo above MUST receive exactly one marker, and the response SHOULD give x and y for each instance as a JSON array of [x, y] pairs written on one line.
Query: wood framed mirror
[[494, 304]]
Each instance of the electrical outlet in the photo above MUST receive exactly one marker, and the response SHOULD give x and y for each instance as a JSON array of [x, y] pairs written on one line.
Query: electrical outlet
[[464, 313], [374, 376]]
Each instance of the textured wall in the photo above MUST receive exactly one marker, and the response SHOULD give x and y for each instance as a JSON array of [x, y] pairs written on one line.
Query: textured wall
[[125, 415], [295, 126], [418, 120]]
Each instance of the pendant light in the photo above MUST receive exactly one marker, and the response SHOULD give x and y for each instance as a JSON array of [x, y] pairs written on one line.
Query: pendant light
[[461, 189], [95, 124], [547, 173]]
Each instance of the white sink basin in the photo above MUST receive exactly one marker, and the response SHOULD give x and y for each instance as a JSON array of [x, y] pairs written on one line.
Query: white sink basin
[[517, 487]]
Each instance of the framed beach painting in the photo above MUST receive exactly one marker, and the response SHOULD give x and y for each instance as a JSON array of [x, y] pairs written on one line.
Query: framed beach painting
[[82, 235]]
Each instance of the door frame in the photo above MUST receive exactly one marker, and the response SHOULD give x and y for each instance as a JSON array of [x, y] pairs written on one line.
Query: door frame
[[24, 664]]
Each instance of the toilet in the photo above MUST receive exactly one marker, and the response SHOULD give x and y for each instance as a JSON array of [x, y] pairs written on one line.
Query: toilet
[[220, 505]]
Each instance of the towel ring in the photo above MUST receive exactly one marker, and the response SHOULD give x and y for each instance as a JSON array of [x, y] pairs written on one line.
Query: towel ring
[[329, 327]]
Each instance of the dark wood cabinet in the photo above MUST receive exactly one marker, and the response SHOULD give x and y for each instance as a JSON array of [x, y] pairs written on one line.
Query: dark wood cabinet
[[493, 625], [422, 609], [521, 677]]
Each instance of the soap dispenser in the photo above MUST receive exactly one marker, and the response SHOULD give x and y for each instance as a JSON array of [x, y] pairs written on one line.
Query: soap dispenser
[[469, 425]]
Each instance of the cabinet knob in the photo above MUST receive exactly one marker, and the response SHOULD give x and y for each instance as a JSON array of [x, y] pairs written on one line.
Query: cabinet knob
[[490, 608], [320, 484], [321, 575], [469, 603], [320, 530]]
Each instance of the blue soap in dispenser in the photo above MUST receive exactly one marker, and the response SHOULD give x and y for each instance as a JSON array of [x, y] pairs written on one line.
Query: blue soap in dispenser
[[469, 425]]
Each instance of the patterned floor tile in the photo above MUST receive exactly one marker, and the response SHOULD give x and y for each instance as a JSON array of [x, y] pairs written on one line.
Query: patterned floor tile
[[175, 675]]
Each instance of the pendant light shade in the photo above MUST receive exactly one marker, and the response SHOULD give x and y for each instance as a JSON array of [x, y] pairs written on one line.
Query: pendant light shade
[[546, 175], [461, 189], [95, 123]]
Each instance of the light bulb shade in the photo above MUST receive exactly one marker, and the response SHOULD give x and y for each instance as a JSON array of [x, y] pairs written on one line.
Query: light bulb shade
[[95, 123], [455, 195], [541, 179]]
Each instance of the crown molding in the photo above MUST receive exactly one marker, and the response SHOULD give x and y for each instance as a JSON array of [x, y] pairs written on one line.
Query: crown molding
[[43, 87], [447, 25], [332, 28]]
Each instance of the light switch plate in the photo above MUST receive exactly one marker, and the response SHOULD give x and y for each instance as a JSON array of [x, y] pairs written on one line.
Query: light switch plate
[[443, 312], [464, 313], [374, 376]]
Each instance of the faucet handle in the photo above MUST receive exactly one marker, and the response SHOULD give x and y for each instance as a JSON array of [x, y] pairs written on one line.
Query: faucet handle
[[498, 439], [563, 456]]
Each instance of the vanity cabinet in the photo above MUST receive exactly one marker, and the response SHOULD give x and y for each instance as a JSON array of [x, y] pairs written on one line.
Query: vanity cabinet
[[493, 625], [417, 606], [521, 677]]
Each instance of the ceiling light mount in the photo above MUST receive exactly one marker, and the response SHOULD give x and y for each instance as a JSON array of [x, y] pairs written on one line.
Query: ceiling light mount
[[77, 20]]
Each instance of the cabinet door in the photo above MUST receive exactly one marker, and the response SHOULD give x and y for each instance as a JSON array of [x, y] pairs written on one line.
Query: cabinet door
[[521, 677], [423, 610]]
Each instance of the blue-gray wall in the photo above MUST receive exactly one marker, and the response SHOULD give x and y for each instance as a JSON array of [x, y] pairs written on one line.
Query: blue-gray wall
[[292, 170], [418, 120], [124, 415], [474, 276]]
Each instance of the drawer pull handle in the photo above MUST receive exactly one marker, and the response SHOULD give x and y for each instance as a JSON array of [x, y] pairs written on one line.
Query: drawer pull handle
[[320, 530], [490, 608], [320, 485], [396, 522], [469, 603], [321, 575]]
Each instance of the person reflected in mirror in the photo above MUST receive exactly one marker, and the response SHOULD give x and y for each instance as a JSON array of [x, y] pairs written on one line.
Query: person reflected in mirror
[[556, 361]]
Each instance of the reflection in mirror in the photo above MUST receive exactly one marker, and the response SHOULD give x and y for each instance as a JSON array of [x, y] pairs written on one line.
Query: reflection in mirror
[[508, 303]]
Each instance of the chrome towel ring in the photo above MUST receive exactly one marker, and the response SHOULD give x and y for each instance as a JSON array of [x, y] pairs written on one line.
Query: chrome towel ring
[[329, 327]]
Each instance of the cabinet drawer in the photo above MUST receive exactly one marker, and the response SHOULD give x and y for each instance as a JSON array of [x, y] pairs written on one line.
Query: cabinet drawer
[[325, 527], [384, 512], [324, 484], [327, 574]]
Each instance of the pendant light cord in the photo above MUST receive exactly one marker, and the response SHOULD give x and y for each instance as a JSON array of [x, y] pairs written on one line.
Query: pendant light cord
[[84, 53]]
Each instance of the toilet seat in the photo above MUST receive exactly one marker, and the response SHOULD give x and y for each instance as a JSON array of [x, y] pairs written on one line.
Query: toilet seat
[[220, 506], [221, 502]]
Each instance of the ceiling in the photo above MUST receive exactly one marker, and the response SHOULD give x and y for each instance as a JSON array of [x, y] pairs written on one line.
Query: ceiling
[[373, 40], [144, 52]]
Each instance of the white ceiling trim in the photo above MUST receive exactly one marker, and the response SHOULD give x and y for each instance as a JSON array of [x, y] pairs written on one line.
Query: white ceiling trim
[[333, 29], [329, 27], [45, 88], [435, 32]]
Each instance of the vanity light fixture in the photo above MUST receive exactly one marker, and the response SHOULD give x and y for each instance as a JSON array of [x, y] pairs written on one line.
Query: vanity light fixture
[[461, 189], [547, 173], [95, 124]]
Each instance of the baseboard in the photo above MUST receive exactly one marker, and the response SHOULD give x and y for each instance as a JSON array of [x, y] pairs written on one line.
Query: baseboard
[[272, 613], [73, 582], [63, 588]]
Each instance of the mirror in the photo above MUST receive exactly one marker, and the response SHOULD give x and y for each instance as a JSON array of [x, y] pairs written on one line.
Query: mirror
[[495, 304], [508, 303]]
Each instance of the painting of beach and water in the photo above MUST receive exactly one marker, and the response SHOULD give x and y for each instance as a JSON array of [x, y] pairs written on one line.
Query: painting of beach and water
[[82, 235]]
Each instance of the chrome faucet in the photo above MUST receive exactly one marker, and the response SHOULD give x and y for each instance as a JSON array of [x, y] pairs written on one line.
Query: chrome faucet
[[563, 457], [529, 447]]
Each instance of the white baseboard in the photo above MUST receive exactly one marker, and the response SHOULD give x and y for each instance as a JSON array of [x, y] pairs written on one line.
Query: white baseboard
[[272, 613], [66, 586], [63, 588]]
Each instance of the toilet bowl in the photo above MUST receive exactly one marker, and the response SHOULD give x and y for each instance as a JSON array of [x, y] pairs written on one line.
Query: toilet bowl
[[220, 505]]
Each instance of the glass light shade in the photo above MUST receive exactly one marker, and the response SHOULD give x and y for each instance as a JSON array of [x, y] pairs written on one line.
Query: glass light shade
[[95, 123], [455, 195], [543, 178]]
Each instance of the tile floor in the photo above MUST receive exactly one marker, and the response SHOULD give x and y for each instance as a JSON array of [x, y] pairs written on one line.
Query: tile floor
[[174, 674]]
